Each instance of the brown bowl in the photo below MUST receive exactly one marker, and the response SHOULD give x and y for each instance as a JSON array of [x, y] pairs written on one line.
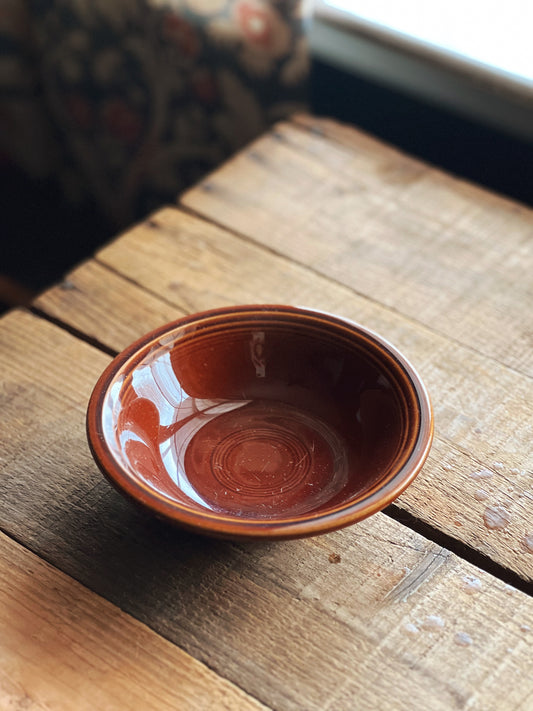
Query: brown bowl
[[260, 422]]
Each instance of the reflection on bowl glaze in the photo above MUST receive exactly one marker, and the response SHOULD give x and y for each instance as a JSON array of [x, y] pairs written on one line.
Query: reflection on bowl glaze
[[260, 421]]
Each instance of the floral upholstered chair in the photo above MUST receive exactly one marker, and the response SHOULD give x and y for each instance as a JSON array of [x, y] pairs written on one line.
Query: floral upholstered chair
[[127, 102]]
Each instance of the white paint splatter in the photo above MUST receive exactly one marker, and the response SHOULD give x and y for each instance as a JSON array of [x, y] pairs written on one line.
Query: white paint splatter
[[433, 622], [471, 585], [410, 629], [496, 518], [527, 542], [482, 474], [462, 639]]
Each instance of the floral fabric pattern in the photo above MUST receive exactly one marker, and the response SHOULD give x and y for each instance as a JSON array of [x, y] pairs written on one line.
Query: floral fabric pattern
[[130, 101]]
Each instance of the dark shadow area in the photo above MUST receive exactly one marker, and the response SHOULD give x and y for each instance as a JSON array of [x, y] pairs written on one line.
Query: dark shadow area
[[147, 567], [462, 550], [469, 150], [43, 236]]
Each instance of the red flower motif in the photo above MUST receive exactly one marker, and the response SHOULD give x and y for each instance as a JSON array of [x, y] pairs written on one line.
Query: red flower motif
[[204, 87], [255, 23], [121, 121], [177, 30]]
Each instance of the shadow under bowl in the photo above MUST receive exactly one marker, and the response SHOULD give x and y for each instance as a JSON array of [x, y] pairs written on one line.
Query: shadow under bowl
[[262, 421]]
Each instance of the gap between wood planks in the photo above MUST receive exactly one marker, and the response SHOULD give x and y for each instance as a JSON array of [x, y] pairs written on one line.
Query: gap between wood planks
[[460, 549], [393, 511], [92, 599], [94, 342]]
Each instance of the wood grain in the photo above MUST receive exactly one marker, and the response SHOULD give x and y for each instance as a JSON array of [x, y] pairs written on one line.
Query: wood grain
[[443, 252], [105, 306], [483, 409], [397, 623], [63, 647]]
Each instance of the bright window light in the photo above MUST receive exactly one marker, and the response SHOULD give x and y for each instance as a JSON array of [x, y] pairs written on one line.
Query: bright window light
[[493, 33]]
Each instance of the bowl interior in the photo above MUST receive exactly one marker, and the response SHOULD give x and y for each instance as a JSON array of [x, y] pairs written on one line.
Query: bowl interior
[[260, 414]]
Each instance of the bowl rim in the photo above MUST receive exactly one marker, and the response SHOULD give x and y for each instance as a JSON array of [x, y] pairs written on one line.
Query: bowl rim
[[222, 526]]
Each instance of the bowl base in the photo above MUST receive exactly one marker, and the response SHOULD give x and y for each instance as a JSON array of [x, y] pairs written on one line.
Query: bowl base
[[263, 459]]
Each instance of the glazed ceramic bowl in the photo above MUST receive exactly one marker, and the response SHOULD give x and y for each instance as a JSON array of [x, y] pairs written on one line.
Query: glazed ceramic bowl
[[260, 422]]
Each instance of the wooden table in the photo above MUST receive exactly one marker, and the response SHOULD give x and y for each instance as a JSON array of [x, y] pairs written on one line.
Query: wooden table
[[425, 606]]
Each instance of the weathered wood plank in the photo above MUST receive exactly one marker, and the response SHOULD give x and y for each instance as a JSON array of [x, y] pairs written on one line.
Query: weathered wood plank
[[450, 255], [483, 410], [63, 647], [397, 622], [105, 306]]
